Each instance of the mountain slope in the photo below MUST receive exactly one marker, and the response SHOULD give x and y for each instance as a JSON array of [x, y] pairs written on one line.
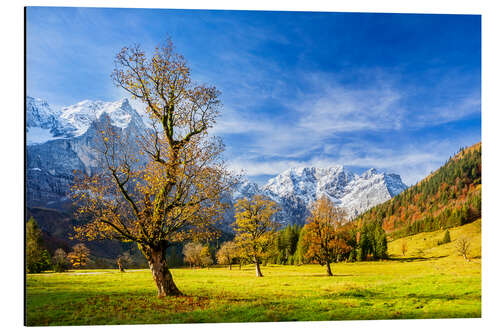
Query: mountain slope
[[449, 197], [71, 135], [426, 244]]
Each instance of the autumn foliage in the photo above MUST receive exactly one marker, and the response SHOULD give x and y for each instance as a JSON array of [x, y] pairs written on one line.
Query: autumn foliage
[[80, 256], [255, 229], [324, 235], [449, 197], [166, 185], [227, 253]]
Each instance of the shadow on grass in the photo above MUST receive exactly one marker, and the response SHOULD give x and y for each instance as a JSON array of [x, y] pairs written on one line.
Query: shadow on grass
[[358, 293], [412, 259], [325, 275]]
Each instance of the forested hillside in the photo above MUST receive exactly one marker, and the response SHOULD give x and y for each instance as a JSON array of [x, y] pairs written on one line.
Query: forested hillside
[[449, 197]]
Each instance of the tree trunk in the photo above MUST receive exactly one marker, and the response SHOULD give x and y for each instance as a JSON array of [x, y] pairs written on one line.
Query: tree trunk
[[258, 273], [161, 274], [229, 266], [328, 270], [120, 267]]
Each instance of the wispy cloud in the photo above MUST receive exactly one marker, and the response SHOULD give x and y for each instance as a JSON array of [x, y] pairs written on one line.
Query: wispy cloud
[[391, 96], [330, 123], [412, 162]]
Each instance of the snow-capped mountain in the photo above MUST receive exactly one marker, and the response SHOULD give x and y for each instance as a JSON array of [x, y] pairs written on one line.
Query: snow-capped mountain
[[45, 124], [80, 116], [39, 114], [42, 122], [62, 141], [297, 188]]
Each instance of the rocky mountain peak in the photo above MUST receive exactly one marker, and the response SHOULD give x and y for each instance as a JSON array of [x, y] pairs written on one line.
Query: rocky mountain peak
[[297, 188]]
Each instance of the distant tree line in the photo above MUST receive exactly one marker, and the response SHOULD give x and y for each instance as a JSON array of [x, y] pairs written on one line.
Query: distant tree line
[[325, 239], [38, 258]]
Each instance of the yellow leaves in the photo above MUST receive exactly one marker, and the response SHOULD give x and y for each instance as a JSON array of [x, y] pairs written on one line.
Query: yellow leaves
[[255, 229], [181, 189]]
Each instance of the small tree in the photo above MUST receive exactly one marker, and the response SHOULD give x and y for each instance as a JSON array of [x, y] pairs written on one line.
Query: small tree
[[206, 257], [60, 262], [37, 257], [255, 229], [227, 253], [323, 234], [192, 254], [446, 238], [463, 247], [124, 261], [404, 247], [80, 255]]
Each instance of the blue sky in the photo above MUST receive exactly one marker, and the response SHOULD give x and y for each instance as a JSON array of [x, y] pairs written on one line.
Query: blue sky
[[398, 92]]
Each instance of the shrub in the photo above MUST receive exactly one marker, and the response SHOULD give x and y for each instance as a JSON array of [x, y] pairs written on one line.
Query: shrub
[[446, 238]]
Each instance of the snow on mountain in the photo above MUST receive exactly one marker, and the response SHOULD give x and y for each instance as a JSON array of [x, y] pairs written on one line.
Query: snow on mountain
[[297, 188], [45, 124], [60, 142], [41, 121], [81, 115], [37, 135], [39, 114]]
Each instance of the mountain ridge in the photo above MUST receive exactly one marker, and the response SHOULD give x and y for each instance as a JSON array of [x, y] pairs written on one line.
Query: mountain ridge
[[73, 129], [295, 189]]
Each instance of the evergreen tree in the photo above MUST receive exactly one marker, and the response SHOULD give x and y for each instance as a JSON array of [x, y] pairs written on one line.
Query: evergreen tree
[[380, 243], [37, 257], [446, 238], [300, 252]]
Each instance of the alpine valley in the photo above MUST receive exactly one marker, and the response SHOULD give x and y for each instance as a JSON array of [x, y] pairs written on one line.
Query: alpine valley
[[61, 141]]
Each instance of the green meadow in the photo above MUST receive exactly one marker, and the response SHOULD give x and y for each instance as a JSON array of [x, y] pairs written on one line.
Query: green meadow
[[430, 281]]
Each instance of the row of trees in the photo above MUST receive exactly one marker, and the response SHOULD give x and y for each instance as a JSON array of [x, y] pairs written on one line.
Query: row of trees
[[38, 258], [325, 239]]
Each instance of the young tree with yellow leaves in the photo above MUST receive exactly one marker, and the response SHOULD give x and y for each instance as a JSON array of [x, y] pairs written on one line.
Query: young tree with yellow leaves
[[170, 189], [206, 257], [255, 229], [79, 257], [323, 234], [227, 253]]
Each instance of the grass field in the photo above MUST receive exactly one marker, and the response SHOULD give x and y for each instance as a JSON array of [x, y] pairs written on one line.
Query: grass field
[[429, 282]]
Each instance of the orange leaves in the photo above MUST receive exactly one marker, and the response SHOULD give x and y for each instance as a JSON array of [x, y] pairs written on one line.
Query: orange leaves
[[80, 256], [324, 232]]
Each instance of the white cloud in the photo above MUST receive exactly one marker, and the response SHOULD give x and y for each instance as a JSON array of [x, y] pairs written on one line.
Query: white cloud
[[451, 111], [411, 162]]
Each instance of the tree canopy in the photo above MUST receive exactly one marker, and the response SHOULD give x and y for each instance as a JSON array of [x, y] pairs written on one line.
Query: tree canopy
[[324, 233], [255, 229]]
